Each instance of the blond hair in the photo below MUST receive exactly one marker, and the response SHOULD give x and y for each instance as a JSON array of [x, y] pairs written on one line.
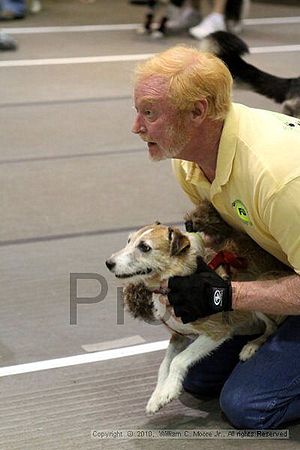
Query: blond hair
[[191, 75]]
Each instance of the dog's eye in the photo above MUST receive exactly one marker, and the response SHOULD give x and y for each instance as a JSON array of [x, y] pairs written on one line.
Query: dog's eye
[[144, 247]]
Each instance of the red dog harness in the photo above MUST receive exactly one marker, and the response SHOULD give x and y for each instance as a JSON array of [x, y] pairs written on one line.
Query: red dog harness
[[227, 259]]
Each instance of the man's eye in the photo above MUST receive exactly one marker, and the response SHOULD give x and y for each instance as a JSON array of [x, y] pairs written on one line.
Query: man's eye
[[144, 247], [148, 113]]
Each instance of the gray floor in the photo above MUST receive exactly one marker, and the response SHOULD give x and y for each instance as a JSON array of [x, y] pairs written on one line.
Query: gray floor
[[74, 181]]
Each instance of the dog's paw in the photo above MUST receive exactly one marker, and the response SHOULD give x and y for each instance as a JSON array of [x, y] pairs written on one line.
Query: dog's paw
[[163, 396], [169, 392], [248, 351], [153, 404]]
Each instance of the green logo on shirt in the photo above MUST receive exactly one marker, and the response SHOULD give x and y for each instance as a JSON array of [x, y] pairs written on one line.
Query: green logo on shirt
[[291, 124], [241, 211]]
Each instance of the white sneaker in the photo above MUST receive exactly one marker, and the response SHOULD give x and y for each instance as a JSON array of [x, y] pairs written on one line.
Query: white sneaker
[[185, 18], [213, 22]]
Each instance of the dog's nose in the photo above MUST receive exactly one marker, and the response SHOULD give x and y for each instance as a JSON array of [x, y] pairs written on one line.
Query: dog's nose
[[110, 264]]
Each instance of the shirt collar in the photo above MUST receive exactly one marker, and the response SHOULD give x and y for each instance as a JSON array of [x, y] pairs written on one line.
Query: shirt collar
[[192, 171]]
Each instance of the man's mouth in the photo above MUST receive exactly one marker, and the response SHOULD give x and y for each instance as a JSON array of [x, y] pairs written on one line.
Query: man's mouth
[[128, 275], [147, 141]]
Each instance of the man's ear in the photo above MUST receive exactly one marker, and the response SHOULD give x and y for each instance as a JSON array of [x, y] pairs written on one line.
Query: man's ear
[[199, 111], [179, 242]]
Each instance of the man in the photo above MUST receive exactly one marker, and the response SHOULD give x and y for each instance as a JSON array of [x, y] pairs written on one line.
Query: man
[[247, 163]]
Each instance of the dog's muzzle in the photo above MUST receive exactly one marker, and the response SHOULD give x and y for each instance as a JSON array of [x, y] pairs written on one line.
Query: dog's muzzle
[[111, 266]]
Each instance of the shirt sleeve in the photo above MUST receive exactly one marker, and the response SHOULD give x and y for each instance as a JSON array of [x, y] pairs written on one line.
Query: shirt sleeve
[[282, 216]]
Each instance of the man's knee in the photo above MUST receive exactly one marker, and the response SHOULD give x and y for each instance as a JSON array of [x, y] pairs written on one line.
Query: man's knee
[[236, 405], [245, 410]]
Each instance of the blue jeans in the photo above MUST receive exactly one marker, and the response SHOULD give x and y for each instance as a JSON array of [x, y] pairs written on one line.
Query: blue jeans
[[15, 6], [261, 393]]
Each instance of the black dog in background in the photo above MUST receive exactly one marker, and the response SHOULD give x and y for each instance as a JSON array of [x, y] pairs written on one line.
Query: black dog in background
[[230, 48]]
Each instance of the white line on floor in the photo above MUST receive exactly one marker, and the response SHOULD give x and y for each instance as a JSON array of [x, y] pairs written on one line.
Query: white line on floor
[[275, 49], [76, 60], [83, 359], [72, 29], [124, 58], [271, 20], [134, 26]]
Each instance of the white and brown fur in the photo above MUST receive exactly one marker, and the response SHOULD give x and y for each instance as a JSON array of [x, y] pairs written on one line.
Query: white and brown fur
[[157, 252], [230, 49]]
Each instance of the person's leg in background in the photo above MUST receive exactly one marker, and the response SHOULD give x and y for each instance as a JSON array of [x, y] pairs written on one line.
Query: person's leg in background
[[182, 15], [178, 16], [264, 392], [235, 12]]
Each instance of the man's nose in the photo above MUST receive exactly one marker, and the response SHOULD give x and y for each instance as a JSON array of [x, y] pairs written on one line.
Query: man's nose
[[137, 126]]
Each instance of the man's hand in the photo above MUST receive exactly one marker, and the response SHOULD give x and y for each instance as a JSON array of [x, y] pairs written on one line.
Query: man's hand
[[199, 295]]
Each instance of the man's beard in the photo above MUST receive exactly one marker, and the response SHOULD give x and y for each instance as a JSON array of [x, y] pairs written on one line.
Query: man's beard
[[178, 137]]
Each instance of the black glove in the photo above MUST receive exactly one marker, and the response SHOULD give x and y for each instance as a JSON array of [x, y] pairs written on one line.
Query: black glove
[[199, 295]]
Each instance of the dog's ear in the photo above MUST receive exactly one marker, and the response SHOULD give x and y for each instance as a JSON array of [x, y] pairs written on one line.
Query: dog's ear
[[179, 242]]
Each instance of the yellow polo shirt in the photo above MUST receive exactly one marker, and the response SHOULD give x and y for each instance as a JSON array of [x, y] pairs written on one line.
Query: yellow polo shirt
[[257, 184]]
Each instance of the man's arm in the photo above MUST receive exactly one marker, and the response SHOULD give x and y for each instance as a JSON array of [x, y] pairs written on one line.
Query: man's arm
[[281, 296], [204, 293]]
